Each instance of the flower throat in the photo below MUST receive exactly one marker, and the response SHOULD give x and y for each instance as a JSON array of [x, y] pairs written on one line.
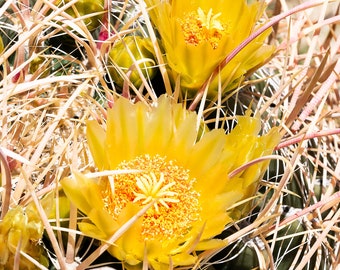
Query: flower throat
[[176, 205], [201, 27]]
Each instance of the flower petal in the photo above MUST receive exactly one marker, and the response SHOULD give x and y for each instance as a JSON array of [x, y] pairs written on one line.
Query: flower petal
[[96, 140], [85, 194]]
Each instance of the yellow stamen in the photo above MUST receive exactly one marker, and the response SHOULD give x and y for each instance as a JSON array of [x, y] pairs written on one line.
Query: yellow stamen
[[198, 27], [176, 205]]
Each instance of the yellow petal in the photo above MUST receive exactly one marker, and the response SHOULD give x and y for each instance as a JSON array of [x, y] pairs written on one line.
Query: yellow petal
[[210, 244], [159, 127], [4, 251], [126, 126], [160, 260], [206, 152], [92, 230], [85, 194], [129, 247], [96, 140]]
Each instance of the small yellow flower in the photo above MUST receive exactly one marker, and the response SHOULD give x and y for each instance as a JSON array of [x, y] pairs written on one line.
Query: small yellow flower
[[21, 230], [181, 172], [197, 35]]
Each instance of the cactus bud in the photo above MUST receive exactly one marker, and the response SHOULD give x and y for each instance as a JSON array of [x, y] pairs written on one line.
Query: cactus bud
[[85, 8], [120, 60], [21, 229]]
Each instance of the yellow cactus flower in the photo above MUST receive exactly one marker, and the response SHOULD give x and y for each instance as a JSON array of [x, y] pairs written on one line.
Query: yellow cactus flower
[[21, 230], [197, 35], [180, 171]]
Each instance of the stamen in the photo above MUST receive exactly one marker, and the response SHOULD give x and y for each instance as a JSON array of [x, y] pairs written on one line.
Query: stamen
[[199, 27], [161, 182]]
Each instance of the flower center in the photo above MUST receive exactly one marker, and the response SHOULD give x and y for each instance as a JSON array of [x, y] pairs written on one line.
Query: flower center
[[199, 26], [176, 205]]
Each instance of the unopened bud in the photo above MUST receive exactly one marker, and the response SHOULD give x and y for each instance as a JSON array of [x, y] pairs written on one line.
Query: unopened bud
[[120, 60]]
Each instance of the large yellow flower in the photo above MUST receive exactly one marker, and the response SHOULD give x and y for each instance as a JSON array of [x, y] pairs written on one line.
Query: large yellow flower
[[198, 34], [180, 171]]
